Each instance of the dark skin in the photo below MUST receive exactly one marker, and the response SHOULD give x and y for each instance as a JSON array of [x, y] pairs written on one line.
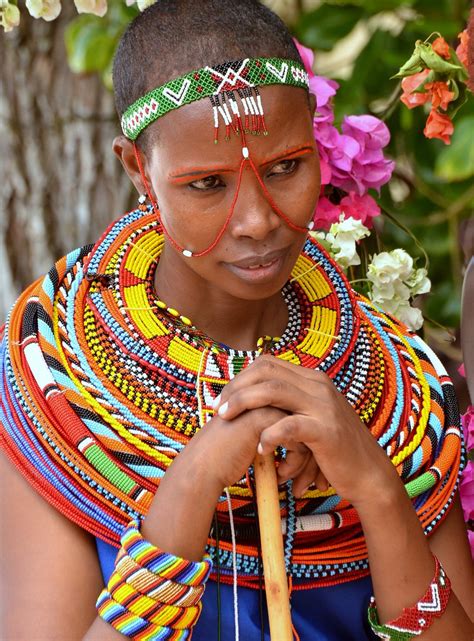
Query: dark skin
[[270, 403]]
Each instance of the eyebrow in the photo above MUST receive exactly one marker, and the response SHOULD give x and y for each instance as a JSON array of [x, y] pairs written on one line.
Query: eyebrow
[[193, 172]]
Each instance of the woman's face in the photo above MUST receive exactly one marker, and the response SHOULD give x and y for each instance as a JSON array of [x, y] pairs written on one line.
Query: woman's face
[[195, 182]]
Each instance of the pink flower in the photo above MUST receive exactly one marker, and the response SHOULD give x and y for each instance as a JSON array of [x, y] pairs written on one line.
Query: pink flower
[[324, 90], [463, 46], [307, 56], [409, 85], [466, 491], [356, 156], [363, 208], [440, 94], [441, 47], [468, 427], [325, 171], [369, 131], [326, 213], [466, 486], [439, 126]]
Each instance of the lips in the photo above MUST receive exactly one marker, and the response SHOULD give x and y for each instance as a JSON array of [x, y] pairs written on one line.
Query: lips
[[259, 269], [256, 261]]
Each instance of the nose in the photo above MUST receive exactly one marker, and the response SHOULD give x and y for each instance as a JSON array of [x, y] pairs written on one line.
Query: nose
[[253, 215]]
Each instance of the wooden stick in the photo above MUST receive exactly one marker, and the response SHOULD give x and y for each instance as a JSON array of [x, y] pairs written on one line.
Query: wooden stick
[[276, 584]]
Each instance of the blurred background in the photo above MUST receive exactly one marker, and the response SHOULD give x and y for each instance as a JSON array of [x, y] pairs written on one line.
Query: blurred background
[[61, 184]]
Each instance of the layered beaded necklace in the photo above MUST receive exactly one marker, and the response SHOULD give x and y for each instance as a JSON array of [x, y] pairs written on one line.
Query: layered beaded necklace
[[102, 387]]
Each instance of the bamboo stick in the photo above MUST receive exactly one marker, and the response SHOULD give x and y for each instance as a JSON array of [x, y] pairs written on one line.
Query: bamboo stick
[[276, 585]]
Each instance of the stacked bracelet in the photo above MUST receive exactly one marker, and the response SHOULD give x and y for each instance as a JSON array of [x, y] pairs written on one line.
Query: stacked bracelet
[[152, 594], [415, 620]]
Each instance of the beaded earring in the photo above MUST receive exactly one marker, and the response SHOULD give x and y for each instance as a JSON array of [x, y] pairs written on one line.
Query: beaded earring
[[142, 202]]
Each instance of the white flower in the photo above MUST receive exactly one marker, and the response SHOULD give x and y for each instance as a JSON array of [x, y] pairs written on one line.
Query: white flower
[[395, 282], [401, 309], [143, 4], [419, 283], [342, 238], [9, 15], [380, 292], [46, 9], [388, 267], [97, 7]]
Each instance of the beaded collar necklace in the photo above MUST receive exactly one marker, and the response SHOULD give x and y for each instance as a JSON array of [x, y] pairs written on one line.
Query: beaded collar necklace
[[99, 392]]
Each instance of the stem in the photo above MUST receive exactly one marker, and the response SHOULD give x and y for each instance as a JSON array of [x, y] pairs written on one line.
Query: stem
[[408, 231], [453, 210], [433, 33]]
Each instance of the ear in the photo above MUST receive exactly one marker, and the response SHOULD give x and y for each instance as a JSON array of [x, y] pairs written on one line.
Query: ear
[[123, 148], [312, 104]]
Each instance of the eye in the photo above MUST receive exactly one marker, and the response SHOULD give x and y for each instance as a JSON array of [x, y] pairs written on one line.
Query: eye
[[284, 167], [207, 183]]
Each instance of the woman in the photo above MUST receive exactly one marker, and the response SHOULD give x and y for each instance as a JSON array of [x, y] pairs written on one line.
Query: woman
[[125, 350]]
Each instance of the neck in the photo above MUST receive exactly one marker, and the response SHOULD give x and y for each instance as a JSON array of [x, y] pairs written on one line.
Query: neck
[[225, 319]]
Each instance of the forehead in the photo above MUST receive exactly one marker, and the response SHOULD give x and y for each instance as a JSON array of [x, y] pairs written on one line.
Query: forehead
[[185, 136]]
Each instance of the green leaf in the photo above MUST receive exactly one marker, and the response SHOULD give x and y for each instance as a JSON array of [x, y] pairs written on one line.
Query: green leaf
[[322, 28], [89, 44], [456, 162]]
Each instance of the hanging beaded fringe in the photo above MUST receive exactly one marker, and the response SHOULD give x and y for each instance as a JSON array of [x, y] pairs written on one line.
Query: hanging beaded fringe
[[225, 106]]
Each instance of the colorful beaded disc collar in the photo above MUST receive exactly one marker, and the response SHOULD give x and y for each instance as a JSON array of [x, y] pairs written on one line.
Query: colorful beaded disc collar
[[218, 84], [100, 389]]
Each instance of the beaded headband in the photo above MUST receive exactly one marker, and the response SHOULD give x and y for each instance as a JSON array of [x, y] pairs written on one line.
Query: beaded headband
[[218, 84]]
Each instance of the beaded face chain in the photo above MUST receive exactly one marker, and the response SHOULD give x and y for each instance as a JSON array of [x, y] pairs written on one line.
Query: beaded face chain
[[245, 159], [100, 390]]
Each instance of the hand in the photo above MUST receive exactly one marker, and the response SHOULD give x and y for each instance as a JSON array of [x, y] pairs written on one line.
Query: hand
[[222, 450], [319, 421]]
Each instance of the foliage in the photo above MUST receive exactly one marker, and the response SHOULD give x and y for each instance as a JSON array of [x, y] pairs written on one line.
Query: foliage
[[431, 189], [91, 41]]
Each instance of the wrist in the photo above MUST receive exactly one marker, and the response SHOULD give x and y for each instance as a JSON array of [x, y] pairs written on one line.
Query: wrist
[[185, 502], [387, 495]]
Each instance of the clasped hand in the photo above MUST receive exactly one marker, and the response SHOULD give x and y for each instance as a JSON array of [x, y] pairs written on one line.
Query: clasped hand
[[275, 403]]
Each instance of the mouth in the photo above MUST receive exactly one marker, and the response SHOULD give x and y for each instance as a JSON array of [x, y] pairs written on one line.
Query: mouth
[[259, 267]]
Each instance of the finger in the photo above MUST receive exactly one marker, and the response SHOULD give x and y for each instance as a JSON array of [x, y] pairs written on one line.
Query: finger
[[321, 482], [305, 478], [284, 395], [297, 458], [291, 429], [270, 368]]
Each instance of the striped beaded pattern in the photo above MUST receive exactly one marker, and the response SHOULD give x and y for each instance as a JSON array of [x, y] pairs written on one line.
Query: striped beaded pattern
[[167, 605], [100, 390], [234, 76]]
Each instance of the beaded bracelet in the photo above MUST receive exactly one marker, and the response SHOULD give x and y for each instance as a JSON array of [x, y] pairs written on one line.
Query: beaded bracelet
[[152, 594], [415, 620]]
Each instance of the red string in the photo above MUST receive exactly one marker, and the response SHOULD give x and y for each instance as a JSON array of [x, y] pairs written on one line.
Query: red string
[[268, 196], [273, 204]]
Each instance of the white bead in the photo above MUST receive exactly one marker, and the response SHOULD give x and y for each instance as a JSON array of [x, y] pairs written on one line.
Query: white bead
[[245, 152], [142, 199], [187, 253], [311, 225]]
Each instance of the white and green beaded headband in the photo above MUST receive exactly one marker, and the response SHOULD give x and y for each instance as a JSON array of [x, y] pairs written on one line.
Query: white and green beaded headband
[[218, 84]]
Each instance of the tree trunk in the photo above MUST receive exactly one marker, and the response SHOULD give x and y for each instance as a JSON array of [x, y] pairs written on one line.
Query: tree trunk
[[61, 183]]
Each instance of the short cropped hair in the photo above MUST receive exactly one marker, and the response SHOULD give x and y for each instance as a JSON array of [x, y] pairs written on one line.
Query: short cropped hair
[[173, 37]]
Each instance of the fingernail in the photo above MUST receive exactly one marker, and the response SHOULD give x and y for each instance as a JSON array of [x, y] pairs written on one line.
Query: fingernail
[[216, 401], [223, 409], [260, 449]]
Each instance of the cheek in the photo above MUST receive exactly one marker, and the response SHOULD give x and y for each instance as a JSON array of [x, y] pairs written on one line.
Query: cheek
[[298, 196]]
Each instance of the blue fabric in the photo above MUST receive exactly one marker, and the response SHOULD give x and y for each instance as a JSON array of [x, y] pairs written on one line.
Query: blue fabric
[[337, 613]]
